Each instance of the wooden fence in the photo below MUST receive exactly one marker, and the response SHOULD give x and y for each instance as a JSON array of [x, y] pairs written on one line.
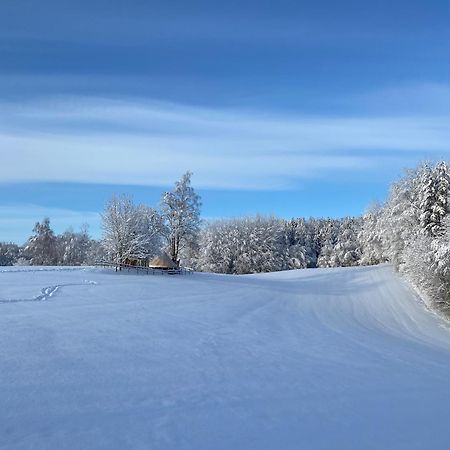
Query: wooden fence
[[144, 270]]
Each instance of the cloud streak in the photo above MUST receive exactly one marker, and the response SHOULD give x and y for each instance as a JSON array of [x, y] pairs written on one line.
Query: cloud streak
[[98, 140]]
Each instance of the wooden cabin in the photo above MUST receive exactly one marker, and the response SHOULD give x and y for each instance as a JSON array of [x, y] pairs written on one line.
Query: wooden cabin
[[163, 262]]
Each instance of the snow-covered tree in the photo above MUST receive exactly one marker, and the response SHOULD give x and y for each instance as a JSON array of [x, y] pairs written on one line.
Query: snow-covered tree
[[9, 253], [96, 253], [427, 199], [327, 234], [259, 245], [411, 230], [244, 245], [434, 198], [439, 209], [129, 230], [347, 249], [219, 247], [42, 247], [293, 245], [180, 213], [263, 244], [370, 238], [74, 247], [399, 221]]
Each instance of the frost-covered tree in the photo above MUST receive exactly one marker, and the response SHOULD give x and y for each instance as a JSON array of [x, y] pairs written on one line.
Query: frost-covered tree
[[42, 247], [74, 247], [433, 187], [437, 262], [219, 247], [427, 199], [263, 244], [9, 253], [244, 245], [294, 244], [327, 237], [129, 230], [347, 249], [399, 222], [305, 240], [259, 245], [180, 213], [370, 238], [428, 268], [442, 188], [96, 253], [411, 230]]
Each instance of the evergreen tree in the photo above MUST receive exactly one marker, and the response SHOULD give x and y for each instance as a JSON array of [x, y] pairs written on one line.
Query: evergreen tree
[[427, 196], [440, 207]]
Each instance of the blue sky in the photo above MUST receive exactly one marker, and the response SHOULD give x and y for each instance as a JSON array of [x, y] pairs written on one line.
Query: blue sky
[[291, 108]]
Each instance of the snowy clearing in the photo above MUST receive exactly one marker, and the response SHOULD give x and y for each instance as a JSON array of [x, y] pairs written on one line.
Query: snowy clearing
[[309, 359]]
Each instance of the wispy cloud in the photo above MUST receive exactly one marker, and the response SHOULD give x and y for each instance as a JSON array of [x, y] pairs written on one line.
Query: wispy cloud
[[82, 139], [419, 99]]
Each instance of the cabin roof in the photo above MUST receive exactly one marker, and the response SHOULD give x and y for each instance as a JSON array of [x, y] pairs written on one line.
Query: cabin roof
[[163, 261]]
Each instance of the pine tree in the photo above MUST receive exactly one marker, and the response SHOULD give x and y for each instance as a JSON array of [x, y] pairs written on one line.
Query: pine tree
[[440, 207], [427, 196]]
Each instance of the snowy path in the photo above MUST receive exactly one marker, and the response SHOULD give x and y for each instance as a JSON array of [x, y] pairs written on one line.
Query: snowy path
[[312, 359]]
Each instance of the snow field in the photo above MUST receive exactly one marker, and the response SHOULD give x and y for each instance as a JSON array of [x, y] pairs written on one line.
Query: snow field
[[308, 359]]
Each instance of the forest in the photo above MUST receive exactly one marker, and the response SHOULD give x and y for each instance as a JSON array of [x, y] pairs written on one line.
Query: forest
[[410, 230]]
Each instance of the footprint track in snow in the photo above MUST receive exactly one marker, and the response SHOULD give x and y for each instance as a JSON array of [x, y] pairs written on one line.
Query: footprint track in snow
[[47, 292]]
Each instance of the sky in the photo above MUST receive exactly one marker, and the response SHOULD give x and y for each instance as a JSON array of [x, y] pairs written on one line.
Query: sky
[[294, 108]]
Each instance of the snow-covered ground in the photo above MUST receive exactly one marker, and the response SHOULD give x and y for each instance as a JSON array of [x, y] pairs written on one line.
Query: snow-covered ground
[[310, 359]]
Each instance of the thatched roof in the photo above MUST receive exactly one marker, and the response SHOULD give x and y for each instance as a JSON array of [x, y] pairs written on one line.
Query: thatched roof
[[162, 261]]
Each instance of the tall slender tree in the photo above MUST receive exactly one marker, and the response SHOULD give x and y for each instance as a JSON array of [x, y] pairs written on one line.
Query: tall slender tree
[[180, 213]]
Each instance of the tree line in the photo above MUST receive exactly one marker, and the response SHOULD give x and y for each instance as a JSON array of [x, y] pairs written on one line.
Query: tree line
[[233, 246], [268, 244], [45, 248], [410, 230], [130, 231]]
